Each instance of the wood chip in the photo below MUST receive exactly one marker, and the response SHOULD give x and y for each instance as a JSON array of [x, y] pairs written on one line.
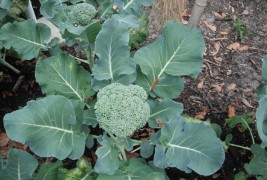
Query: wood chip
[[234, 46], [223, 33], [232, 86], [246, 103], [217, 48], [231, 111], [211, 27], [200, 85], [201, 115], [244, 48], [217, 87]]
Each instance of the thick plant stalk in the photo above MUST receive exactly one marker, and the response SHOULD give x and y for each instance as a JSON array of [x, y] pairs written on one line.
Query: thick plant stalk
[[196, 12], [3, 62], [30, 13]]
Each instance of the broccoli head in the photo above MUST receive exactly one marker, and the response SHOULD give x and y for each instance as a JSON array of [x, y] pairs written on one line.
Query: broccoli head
[[82, 14], [121, 110]]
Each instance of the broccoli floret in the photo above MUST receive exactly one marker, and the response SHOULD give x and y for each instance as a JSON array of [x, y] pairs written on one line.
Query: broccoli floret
[[121, 110], [82, 14]]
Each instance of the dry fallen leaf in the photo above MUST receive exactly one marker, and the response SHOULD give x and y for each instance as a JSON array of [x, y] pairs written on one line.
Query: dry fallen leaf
[[217, 48], [215, 176], [234, 46], [231, 86], [219, 15], [231, 111], [217, 87], [247, 90], [211, 27], [200, 85], [130, 155], [243, 48], [245, 12], [246, 103], [223, 33], [218, 59], [186, 13], [4, 139], [201, 115]]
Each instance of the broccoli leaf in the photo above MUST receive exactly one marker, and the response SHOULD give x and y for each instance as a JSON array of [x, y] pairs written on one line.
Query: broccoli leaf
[[19, 165], [5, 4], [112, 48], [62, 75], [48, 171], [165, 110], [261, 116], [258, 165], [27, 38], [186, 145], [175, 54], [262, 90], [108, 161], [135, 170], [49, 127], [132, 6], [49, 8], [146, 149], [105, 10]]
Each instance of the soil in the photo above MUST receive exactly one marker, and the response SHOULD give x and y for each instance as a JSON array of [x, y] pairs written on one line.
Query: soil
[[229, 77]]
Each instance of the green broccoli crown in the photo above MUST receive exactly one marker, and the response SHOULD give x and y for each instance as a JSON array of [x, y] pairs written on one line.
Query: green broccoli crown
[[82, 14], [121, 109]]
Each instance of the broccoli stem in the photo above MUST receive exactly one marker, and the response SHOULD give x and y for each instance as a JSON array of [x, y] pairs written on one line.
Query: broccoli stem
[[120, 146], [3, 62], [90, 56]]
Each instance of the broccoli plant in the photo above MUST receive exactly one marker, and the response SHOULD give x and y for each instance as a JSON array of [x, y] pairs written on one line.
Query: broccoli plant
[[121, 93]]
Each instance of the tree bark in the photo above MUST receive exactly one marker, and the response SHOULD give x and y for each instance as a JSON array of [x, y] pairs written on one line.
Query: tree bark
[[196, 12]]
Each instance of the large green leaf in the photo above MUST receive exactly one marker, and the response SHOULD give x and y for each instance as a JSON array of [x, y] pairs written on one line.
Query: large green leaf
[[62, 75], [177, 52], [107, 162], [258, 165], [48, 170], [189, 146], [113, 51], [87, 33], [136, 169], [264, 69], [49, 127], [5, 4], [262, 89], [165, 110], [27, 38], [49, 8], [19, 165], [261, 116], [105, 10], [132, 6]]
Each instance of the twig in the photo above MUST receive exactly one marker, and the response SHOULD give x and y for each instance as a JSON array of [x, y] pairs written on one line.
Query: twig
[[254, 48], [210, 70], [211, 62], [137, 149], [217, 39], [18, 83]]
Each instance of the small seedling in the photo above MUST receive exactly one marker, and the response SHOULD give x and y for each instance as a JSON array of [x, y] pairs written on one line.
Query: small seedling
[[241, 29]]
